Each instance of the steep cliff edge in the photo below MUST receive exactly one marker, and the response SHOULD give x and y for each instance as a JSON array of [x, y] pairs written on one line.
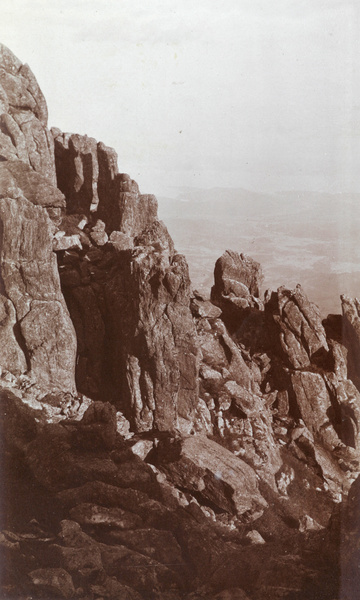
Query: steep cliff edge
[[156, 444]]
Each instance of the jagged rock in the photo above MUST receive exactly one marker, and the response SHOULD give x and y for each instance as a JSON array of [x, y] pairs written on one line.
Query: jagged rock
[[142, 448], [351, 335], [31, 282], [97, 429], [65, 465], [200, 307], [200, 519], [153, 374], [110, 496], [159, 545], [98, 234], [240, 413], [150, 575], [237, 286], [23, 122], [297, 323], [18, 178], [345, 410], [254, 537], [87, 174], [84, 562], [100, 517], [309, 524], [121, 241], [13, 357], [232, 269], [208, 469], [314, 404], [66, 242], [56, 582], [77, 170]]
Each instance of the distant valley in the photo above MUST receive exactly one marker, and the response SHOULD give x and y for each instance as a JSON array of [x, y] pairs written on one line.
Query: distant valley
[[298, 237]]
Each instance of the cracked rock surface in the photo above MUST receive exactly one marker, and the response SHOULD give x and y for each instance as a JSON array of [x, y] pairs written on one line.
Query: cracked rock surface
[[157, 444]]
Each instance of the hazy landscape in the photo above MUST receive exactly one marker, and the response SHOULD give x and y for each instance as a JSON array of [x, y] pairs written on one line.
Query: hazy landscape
[[298, 237]]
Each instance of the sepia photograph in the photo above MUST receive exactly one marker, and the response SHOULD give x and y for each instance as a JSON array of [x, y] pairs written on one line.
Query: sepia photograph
[[179, 300]]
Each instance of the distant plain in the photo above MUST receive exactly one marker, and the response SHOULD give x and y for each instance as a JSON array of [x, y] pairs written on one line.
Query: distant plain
[[298, 237]]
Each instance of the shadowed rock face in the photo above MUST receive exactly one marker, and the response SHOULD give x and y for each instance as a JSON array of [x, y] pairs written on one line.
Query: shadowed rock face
[[127, 290], [207, 448]]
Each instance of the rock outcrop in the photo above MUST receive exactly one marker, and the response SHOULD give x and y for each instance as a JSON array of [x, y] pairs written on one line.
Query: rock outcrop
[[128, 292], [42, 340], [237, 283], [23, 122], [155, 444]]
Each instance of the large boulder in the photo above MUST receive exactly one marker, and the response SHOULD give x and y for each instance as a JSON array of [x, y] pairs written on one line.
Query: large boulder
[[237, 283], [211, 472]]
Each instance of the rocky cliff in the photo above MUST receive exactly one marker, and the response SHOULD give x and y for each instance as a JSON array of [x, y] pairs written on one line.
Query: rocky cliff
[[157, 444]]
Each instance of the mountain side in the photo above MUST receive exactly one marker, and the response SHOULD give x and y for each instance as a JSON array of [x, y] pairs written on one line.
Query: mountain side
[[157, 444]]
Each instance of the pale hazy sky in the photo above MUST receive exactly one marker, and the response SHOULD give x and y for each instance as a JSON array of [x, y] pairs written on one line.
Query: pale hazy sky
[[257, 94]]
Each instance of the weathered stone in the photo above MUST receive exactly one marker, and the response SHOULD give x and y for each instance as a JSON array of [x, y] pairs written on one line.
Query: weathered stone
[[159, 545], [77, 171], [233, 269], [23, 125], [204, 308], [88, 176], [83, 561], [12, 358], [236, 287], [16, 175], [31, 282], [98, 234], [297, 323], [274, 392], [66, 242], [121, 241], [56, 582], [97, 428], [99, 516], [111, 588], [201, 465], [254, 537], [150, 575]]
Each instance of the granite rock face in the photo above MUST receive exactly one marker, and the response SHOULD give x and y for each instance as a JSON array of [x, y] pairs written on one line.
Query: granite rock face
[[23, 121], [41, 337], [298, 323], [136, 338], [87, 173], [157, 444]]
